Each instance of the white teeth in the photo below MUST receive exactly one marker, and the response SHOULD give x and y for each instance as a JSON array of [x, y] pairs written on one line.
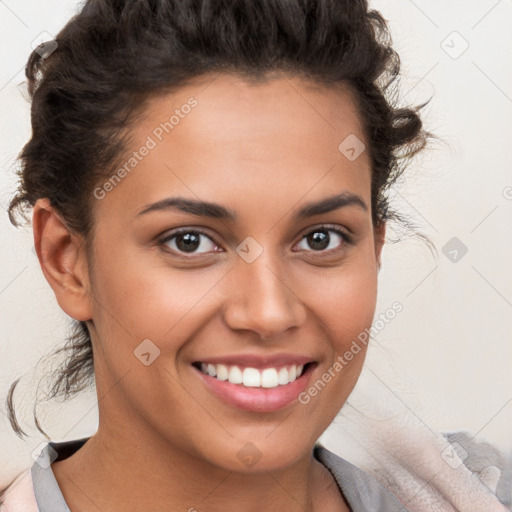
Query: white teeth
[[222, 372], [269, 378], [282, 376], [212, 372], [235, 375], [252, 377]]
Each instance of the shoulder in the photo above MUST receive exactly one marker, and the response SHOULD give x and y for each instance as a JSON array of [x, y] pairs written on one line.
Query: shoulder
[[360, 489], [442, 472], [19, 495], [36, 488], [492, 466]]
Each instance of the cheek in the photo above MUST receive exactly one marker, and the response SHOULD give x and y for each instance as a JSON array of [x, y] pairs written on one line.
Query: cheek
[[147, 298], [344, 305], [137, 301], [344, 301]]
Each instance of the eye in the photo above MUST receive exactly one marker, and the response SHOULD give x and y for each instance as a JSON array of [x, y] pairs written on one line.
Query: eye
[[191, 241], [325, 239], [195, 241]]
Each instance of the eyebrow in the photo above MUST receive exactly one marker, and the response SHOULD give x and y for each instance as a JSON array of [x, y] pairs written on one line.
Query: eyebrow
[[217, 211]]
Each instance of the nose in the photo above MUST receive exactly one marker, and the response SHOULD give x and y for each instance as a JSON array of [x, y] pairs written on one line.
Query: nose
[[262, 300]]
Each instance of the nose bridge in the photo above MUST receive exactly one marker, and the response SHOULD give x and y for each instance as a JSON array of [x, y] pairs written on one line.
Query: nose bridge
[[262, 300]]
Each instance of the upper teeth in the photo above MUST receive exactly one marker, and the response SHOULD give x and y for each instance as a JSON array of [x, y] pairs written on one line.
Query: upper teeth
[[252, 377]]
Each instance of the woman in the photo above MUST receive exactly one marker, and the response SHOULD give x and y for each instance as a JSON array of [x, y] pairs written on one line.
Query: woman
[[208, 185]]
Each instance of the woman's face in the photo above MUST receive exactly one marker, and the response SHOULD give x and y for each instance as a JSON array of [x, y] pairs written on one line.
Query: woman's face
[[262, 278]]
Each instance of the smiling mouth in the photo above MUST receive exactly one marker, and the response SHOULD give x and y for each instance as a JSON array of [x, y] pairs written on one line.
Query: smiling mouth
[[270, 377]]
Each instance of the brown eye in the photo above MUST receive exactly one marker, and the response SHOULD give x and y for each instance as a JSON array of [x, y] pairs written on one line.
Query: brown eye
[[324, 239], [191, 242]]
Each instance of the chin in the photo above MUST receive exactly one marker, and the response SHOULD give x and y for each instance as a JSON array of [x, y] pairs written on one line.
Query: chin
[[261, 454]]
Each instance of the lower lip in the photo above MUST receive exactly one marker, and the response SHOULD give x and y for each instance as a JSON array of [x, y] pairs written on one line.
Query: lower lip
[[257, 399]]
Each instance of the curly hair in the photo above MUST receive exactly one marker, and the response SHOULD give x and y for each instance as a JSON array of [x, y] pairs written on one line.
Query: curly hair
[[115, 55]]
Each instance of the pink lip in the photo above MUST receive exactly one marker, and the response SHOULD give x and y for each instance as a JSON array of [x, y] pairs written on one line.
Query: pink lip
[[259, 362], [257, 399]]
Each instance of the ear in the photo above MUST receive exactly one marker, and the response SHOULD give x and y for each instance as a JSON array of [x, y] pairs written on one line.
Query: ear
[[63, 260], [379, 240]]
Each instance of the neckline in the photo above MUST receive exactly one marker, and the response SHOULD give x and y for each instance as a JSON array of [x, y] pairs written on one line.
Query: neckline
[[49, 497], [353, 484]]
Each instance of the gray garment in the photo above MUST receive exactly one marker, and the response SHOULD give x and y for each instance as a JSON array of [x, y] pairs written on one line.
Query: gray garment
[[362, 492], [482, 456]]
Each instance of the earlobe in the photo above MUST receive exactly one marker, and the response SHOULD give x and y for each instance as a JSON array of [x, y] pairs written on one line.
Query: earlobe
[[63, 260]]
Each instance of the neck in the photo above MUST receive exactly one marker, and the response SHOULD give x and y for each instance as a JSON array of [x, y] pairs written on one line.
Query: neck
[[104, 474]]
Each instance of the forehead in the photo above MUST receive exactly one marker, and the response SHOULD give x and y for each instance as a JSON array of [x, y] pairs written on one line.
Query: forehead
[[227, 104], [224, 136]]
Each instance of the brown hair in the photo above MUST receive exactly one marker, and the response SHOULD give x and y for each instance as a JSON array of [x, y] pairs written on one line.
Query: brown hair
[[115, 55]]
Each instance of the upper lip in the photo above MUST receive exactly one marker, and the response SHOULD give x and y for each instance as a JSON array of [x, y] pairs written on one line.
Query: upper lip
[[258, 361]]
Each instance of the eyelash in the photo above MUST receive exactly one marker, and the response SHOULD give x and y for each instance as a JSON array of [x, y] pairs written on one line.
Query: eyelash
[[346, 238]]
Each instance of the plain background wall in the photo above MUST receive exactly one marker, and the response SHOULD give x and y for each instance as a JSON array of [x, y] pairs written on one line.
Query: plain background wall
[[446, 358]]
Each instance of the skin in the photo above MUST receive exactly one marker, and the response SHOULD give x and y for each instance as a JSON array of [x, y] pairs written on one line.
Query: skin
[[263, 150]]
